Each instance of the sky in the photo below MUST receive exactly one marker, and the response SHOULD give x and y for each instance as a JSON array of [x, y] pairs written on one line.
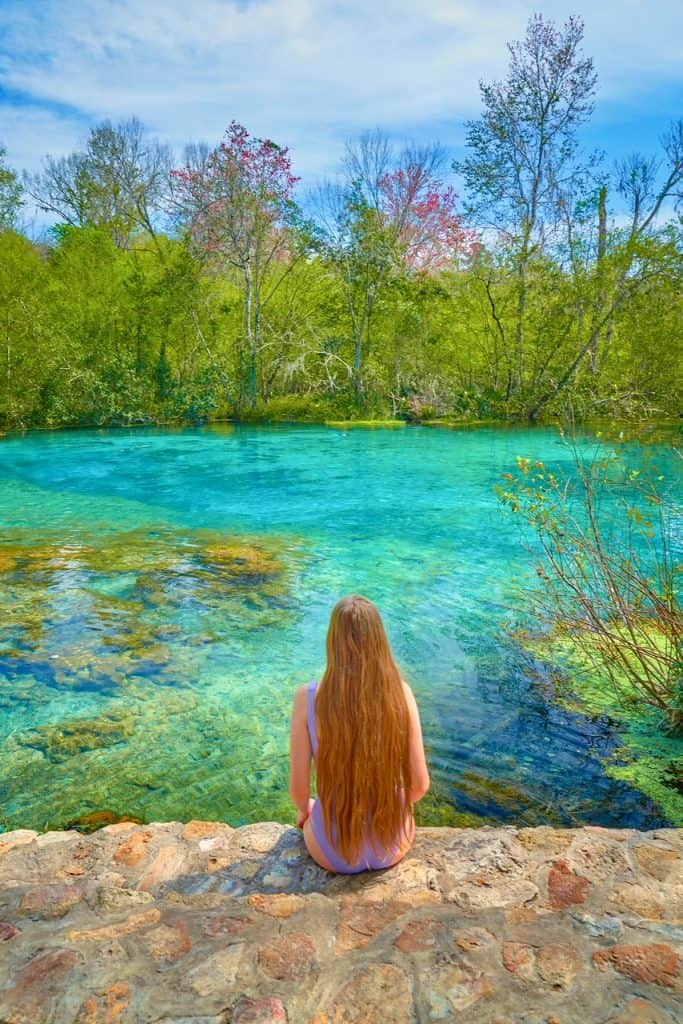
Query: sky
[[311, 74]]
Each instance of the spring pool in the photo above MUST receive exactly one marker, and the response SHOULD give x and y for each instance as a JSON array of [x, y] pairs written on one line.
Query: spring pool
[[163, 592]]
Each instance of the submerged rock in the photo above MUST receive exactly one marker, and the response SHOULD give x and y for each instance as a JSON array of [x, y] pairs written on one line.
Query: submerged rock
[[98, 819]]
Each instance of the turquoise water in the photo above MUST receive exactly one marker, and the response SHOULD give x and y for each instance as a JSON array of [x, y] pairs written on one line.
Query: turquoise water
[[165, 591]]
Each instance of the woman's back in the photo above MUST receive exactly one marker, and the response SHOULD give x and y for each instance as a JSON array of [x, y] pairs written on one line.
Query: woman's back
[[361, 726]]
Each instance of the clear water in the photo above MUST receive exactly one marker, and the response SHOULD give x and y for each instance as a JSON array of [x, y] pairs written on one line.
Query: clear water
[[165, 591]]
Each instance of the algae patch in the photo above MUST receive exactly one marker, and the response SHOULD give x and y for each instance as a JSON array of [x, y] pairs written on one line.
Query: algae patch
[[76, 736], [99, 609], [650, 757], [366, 424], [122, 667]]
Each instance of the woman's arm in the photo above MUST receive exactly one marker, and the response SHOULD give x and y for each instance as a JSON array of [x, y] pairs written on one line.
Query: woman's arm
[[418, 762], [300, 757]]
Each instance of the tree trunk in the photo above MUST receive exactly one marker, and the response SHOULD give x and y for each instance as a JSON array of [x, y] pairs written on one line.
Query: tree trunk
[[519, 329], [602, 249], [249, 332], [357, 360]]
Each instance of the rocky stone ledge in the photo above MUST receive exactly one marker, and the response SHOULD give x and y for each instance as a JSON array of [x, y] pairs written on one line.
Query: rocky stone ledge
[[199, 923]]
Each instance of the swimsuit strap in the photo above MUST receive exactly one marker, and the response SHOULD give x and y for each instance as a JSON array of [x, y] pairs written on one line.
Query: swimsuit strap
[[312, 728]]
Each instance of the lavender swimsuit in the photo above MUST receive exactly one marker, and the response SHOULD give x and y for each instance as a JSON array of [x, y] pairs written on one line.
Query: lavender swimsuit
[[368, 859]]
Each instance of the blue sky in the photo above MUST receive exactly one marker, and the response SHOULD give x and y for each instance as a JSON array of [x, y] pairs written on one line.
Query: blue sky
[[311, 73]]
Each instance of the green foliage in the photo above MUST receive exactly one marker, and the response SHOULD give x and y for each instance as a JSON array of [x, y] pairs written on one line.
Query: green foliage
[[384, 305], [11, 195]]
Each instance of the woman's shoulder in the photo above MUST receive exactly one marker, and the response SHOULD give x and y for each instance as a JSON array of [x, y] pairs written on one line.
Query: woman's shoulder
[[410, 697], [301, 692]]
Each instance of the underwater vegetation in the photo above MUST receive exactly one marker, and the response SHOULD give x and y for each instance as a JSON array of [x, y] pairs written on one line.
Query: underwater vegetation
[[650, 756], [126, 586], [99, 619]]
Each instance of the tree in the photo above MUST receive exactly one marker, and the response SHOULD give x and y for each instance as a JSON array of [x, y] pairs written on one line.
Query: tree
[[522, 170], [390, 214], [10, 194], [118, 182], [237, 204], [628, 259], [25, 354]]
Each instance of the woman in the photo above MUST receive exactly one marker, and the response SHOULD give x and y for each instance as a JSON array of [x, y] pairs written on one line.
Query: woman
[[360, 726]]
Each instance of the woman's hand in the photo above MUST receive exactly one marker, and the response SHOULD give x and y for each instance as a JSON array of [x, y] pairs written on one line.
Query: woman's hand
[[303, 816]]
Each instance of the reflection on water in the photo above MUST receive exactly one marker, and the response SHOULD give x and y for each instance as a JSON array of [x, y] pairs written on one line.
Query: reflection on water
[[164, 592]]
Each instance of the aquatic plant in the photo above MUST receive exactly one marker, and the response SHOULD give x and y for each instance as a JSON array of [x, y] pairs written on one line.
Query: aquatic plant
[[649, 757]]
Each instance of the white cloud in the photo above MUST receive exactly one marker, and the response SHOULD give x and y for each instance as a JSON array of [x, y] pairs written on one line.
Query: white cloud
[[309, 73]]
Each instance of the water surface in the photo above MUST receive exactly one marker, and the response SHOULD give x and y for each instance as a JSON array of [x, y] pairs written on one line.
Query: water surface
[[165, 591]]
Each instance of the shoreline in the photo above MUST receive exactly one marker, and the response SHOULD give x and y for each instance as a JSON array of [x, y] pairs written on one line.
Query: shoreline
[[675, 426]]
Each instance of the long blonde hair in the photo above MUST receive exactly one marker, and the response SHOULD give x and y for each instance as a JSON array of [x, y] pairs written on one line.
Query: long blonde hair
[[363, 725]]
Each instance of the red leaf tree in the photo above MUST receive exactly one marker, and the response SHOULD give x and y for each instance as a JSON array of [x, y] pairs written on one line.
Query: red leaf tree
[[391, 214], [422, 214], [237, 204]]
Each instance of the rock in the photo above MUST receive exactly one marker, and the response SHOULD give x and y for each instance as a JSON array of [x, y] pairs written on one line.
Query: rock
[[108, 1007], [97, 819], [474, 939], [36, 987], [259, 838], [290, 957], [168, 942], [519, 959], [600, 860], [451, 988], [658, 861], [114, 931], [360, 923], [20, 837], [640, 1011], [564, 886], [56, 838], [195, 830], [608, 925], [113, 898], [420, 936], [558, 964], [258, 1011], [217, 973], [643, 902], [186, 925], [119, 828], [135, 849], [217, 864], [279, 878], [224, 924], [169, 863], [657, 964], [502, 893], [277, 905], [546, 840], [377, 992], [51, 901]]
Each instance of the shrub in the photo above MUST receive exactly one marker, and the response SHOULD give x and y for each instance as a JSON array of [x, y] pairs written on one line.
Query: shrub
[[608, 584]]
